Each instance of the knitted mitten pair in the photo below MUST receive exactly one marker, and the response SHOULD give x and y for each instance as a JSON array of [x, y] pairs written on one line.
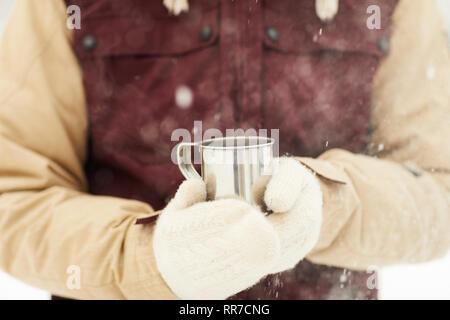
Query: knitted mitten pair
[[214, 249]]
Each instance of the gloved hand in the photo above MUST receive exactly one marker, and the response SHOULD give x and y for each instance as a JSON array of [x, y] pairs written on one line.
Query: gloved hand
[[294, 195], [214, 249]]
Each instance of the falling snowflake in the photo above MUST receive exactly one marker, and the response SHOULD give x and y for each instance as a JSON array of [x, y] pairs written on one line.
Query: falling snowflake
[[431, 72], [343, 277], [380, 147], [183, 97]]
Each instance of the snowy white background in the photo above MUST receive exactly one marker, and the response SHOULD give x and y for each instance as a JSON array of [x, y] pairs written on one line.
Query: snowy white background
[[425, 281]]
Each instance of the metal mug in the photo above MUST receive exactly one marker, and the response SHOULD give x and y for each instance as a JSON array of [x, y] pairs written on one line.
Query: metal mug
[[232, 167]]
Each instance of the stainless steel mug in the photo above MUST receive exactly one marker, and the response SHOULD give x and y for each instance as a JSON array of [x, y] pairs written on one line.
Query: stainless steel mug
[[232, 166]]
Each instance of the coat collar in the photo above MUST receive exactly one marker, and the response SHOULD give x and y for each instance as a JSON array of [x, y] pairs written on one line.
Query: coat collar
[[325, 9]]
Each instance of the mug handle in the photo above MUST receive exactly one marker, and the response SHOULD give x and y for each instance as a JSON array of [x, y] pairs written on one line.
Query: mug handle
[[186, 168]]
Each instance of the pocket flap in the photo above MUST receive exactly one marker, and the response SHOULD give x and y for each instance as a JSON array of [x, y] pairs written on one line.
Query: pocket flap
[[127, 35], [300, 31]]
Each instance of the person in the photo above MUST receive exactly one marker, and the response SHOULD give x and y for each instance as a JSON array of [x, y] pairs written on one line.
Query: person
[[358, 89]]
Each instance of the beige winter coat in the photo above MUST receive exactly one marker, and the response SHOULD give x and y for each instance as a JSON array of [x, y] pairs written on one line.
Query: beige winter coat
[[380, 214]]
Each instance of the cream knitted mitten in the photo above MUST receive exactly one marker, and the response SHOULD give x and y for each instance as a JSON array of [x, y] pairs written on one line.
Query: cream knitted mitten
[[214, 249], [295, 197]]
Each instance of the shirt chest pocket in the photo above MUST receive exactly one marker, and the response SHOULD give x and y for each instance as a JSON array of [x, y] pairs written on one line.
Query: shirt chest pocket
[[134, 61], [318, 75], [294, 27]]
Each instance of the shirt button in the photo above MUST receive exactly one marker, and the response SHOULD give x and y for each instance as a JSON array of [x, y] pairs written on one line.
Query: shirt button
[[89, 43], [272, 34], [383, 44], [206, 33]]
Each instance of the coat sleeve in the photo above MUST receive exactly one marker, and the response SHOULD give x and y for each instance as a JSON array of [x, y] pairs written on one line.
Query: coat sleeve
[[51, 232], [393, 207]]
